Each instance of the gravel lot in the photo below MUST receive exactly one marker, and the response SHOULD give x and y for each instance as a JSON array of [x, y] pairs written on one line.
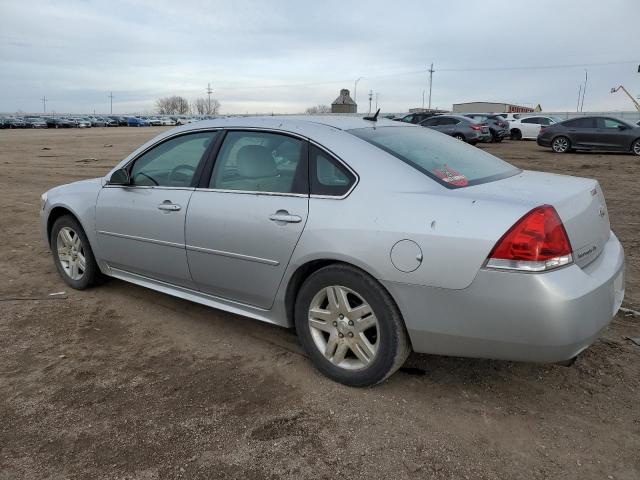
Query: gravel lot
[[123, 382]]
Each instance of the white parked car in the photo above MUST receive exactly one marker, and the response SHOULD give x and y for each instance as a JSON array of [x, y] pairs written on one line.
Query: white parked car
[[167, 122], [529, 127]]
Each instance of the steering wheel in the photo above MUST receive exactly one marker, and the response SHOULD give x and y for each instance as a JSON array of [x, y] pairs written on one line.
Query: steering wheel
[[181, 175]]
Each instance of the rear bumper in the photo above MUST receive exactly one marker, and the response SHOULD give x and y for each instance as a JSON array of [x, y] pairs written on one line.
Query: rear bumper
[[545, 317], [543, 142]]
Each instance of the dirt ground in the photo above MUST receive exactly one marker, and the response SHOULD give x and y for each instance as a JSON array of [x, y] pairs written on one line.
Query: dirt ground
[[123, 382]]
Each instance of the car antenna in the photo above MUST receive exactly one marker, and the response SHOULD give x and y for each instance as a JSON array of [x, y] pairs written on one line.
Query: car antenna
[[374, 118]]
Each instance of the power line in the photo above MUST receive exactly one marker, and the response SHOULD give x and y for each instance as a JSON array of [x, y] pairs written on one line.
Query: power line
[[423, 71]]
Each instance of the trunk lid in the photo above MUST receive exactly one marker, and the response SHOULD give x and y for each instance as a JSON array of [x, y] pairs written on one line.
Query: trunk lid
[[579, 202]]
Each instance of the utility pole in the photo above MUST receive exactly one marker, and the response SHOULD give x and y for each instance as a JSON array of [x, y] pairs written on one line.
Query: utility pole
[[422, 99], [111, 102], [579, 93], [370, 98], [377, 101], [209, 92], [355, 92], [431, 70], [584, 90], [44, 104]]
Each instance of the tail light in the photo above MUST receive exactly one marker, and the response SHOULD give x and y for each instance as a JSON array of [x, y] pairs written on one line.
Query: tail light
[[537, 242], [476, 127], [542, 129]]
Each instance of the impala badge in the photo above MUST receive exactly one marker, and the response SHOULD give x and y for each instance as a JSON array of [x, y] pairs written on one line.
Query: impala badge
[[603, 211]]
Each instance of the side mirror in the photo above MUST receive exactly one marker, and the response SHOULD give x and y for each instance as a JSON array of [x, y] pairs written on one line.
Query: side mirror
[[120, 177], [622, 127]]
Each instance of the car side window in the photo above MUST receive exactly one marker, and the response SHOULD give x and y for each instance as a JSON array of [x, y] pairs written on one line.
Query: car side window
[[611, 123], [581, 123], [172, 163], [530, 120], [327, 175], [545, 121], [260, 162], [408, 119], [430, 122]]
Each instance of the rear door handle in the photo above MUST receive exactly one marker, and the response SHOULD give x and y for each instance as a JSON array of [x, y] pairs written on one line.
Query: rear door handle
[[284, 216], [171, 207]]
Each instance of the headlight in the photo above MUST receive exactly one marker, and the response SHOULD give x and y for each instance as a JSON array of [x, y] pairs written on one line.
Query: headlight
[[43, 200]]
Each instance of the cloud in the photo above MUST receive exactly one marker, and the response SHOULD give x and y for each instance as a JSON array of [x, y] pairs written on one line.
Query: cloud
[[283, 56]]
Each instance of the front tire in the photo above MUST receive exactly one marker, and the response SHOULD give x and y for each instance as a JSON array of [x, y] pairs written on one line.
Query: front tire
[[561, 144], [635, 147], [516, 134], [350, 326], [459, 136], [72, 254]]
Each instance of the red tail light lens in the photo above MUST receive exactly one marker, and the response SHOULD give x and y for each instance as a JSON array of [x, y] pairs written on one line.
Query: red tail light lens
[[536, 243], [476, 127]]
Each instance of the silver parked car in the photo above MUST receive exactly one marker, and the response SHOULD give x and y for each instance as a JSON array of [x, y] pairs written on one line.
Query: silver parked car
[[371, 238]]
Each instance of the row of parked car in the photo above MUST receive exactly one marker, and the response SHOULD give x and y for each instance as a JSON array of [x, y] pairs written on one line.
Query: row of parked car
[[469, 127], [584, 133], [95, 121]]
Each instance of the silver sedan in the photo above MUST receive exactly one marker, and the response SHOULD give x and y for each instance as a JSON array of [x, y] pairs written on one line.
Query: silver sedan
[[371, 238]]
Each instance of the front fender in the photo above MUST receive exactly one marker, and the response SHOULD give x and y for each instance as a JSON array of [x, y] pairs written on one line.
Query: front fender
[[78, 198]]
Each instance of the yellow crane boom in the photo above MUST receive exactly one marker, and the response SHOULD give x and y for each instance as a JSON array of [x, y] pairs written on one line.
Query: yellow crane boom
[[620, 87]]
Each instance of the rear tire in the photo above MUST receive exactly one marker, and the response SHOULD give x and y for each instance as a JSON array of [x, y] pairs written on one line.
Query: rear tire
[[350, 326], [72, 254], [459, 136], [561, 144], [516, 134], [635, 147]]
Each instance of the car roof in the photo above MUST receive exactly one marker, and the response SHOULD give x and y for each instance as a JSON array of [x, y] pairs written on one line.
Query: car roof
[[295, 122]]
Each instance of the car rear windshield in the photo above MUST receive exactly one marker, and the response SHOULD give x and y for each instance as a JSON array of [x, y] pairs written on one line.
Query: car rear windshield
[[449, 162]]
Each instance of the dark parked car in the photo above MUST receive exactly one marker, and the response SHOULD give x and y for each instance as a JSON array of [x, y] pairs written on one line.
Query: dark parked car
[[121, 121], [4, 123], [53, 122], [591, 133], [137, 122], [498, 126], [458, 126], [16, 123], [415, 117], [35, 122]]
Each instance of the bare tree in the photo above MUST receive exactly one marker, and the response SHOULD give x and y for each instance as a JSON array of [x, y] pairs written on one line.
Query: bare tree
[[174, 105], [201, 106], [318, 109]]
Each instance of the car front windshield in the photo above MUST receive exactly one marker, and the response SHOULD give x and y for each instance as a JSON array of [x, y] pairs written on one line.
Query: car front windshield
[[450, 162]]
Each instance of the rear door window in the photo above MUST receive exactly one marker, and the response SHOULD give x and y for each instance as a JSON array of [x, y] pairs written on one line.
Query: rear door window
[[581, 123], [260, 162], [449, 162]]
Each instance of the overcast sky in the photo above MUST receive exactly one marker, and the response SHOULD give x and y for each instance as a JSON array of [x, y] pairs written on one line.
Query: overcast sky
[[283, 56]]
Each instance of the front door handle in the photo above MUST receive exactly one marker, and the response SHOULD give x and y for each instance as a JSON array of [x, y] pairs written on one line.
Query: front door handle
[[168, 206], [284, 216]]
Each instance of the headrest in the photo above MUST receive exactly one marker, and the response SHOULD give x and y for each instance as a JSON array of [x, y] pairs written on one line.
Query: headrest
[[255, 161]]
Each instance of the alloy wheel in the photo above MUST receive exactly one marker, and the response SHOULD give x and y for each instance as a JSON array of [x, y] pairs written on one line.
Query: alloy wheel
[[560, 145], [71, 253], [636, 147], [344, 327]]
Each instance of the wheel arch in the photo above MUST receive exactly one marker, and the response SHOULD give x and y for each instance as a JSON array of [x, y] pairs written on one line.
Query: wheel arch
[[307, 269], [57, 212]]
